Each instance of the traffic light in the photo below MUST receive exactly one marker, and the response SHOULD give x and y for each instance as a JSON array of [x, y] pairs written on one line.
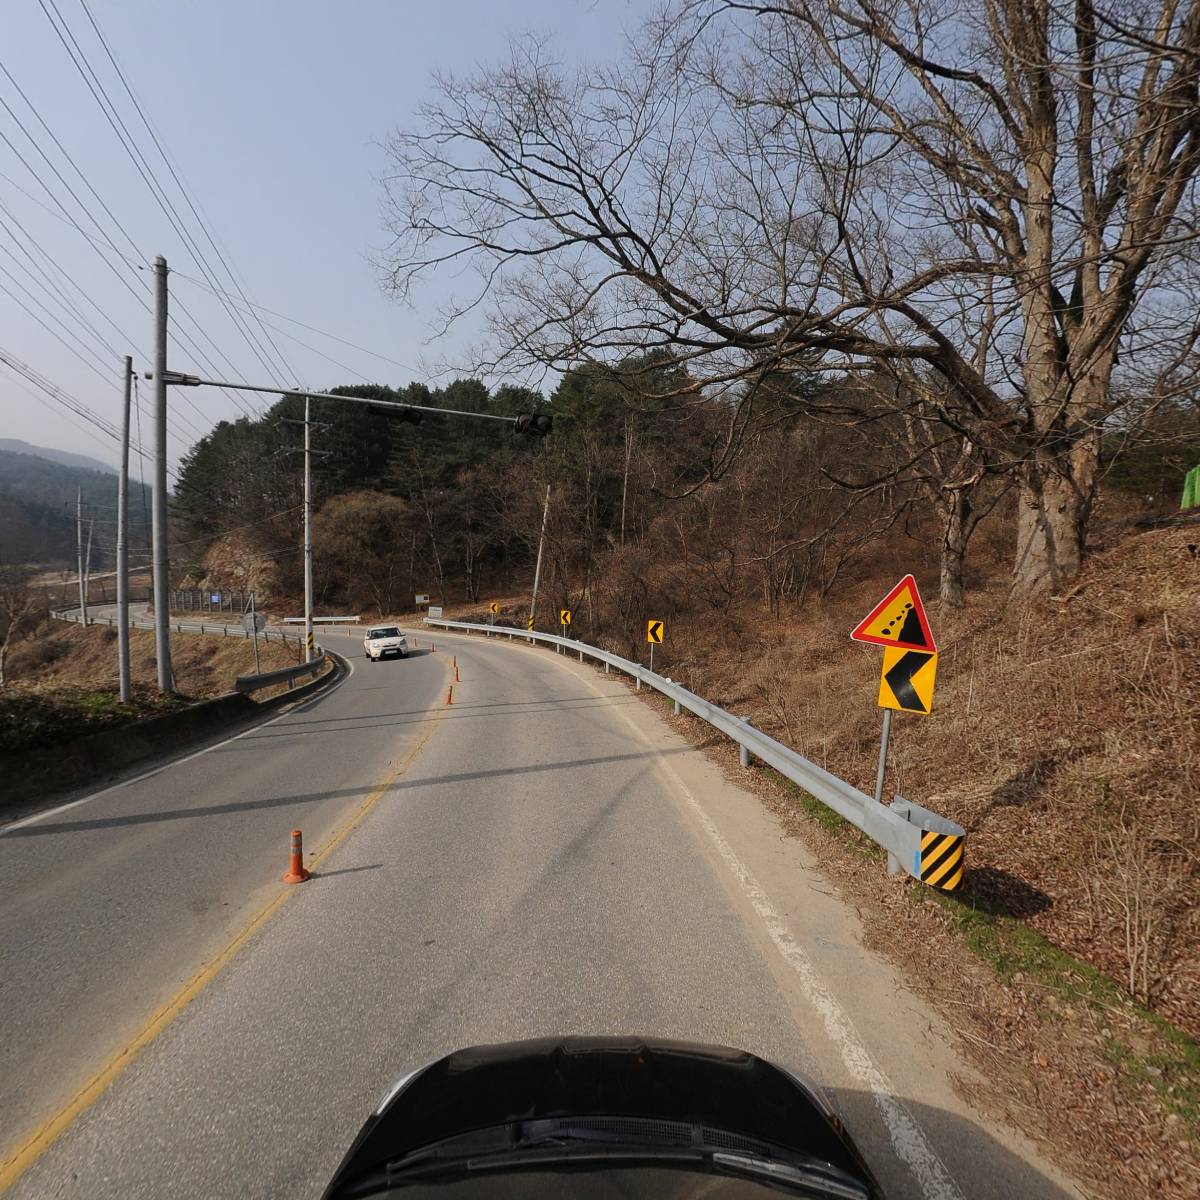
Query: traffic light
[[535, 424]]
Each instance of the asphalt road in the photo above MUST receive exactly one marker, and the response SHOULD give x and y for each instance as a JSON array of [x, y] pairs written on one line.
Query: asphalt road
[[543, 856]]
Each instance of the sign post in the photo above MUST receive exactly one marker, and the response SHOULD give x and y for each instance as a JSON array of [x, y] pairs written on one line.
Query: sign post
[[254, 622], [898, 623], [654, 635]]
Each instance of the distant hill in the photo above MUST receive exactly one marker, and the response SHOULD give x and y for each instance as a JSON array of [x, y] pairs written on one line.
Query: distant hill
[[63, 457], [37, 509]]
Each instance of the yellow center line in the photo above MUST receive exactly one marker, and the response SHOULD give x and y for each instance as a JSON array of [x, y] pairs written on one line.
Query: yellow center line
[[54, 1126]]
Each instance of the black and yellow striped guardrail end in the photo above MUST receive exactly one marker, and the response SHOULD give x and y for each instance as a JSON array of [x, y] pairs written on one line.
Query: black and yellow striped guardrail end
[[942, 860]]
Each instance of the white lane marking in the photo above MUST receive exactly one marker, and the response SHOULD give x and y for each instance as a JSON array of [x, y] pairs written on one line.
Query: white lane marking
[[908, 1139], [174, 762]]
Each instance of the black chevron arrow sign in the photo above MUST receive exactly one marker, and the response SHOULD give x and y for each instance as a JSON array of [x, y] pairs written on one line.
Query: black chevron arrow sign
[[899, 679]]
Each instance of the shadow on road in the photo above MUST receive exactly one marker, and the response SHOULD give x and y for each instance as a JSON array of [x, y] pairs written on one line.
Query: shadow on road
[[381, 721], [519, 705], [221, 810], [982, 1166], [345, 871]]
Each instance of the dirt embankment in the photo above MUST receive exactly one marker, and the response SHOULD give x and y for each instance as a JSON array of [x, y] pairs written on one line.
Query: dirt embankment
[[62, 681]]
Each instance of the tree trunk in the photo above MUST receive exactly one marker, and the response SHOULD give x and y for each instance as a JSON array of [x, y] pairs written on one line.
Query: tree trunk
[[954, 548], [1054, 504]]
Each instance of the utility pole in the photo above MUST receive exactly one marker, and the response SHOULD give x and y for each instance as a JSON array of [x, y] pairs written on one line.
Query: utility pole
[[79, 553], [162, 599], [537, 570], [308, 546], [87, 566], [123, 545]]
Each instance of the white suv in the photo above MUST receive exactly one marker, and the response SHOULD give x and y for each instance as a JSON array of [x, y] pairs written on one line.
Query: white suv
[[384, 640]]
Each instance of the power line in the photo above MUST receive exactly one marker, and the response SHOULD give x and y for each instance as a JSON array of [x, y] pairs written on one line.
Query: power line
[[106, 240], [183, 191], [311, 328], [80, 61]]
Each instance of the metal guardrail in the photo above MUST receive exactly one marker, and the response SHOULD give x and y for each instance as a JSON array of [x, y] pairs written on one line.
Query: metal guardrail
[[288, 675], [323, 620], [927, 846], [209, 627]]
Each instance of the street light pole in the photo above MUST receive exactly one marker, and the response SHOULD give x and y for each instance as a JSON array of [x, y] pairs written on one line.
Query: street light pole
[[308, 546], [123, 545], [537, 570], [162, 611]]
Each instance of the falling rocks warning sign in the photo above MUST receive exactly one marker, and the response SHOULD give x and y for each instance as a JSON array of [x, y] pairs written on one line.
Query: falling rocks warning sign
[[898, 620]]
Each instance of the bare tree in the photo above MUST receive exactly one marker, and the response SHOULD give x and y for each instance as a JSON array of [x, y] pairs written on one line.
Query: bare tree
[[18, 606], [992, 191]]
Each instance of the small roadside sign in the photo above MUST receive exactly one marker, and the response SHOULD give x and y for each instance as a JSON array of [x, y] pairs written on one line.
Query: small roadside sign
[[434, 611], [494, 607], [564, 616], [654, 632], [906, 680], [215, 597], [898, 620], [529, 623], [422, 599], [254, 622]]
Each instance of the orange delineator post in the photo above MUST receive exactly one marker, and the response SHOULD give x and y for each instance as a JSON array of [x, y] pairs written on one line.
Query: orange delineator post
[[450, 694], [296, 872], [456, 678]]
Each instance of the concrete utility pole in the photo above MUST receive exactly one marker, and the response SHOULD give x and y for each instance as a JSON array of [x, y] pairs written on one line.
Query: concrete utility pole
[[123, 545], [87, 566], [308, 545], [162, 599], [79, 553], [537, 570]]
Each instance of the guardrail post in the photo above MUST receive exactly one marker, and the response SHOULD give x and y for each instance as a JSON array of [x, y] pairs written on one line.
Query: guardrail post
[[744, 751]]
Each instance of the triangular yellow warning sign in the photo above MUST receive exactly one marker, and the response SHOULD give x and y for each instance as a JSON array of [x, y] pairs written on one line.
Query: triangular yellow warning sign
[[898, 620]]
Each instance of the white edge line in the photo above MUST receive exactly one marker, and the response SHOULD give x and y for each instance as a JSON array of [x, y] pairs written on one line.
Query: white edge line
[[174, 762], [908, 1139]]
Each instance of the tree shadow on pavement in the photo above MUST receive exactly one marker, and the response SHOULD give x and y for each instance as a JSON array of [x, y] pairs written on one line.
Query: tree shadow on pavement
[[221, 810]]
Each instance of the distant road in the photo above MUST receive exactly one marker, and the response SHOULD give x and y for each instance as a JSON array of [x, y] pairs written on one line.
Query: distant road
[[542, 856]]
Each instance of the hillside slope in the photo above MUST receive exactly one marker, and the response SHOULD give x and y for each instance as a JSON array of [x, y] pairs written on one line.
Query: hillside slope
[[1064, 737]]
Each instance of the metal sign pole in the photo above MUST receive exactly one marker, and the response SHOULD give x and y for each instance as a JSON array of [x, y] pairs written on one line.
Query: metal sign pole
[[254, 622], [651, 658], [883, 752]]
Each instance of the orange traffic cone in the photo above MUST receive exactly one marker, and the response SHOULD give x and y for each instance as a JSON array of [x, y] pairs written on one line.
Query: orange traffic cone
[[296, 872]]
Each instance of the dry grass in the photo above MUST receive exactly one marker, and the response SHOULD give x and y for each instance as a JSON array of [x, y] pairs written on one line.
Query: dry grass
[[1065, 738], [63, 655]]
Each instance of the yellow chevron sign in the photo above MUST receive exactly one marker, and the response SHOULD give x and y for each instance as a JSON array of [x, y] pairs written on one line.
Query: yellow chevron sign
[[906, 680], [564, 616], [654, 632]]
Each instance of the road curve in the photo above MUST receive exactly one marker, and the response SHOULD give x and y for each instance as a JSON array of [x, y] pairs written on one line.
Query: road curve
[[548, 857]]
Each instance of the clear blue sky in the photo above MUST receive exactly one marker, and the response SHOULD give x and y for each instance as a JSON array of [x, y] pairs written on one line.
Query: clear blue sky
[[273, 113]]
